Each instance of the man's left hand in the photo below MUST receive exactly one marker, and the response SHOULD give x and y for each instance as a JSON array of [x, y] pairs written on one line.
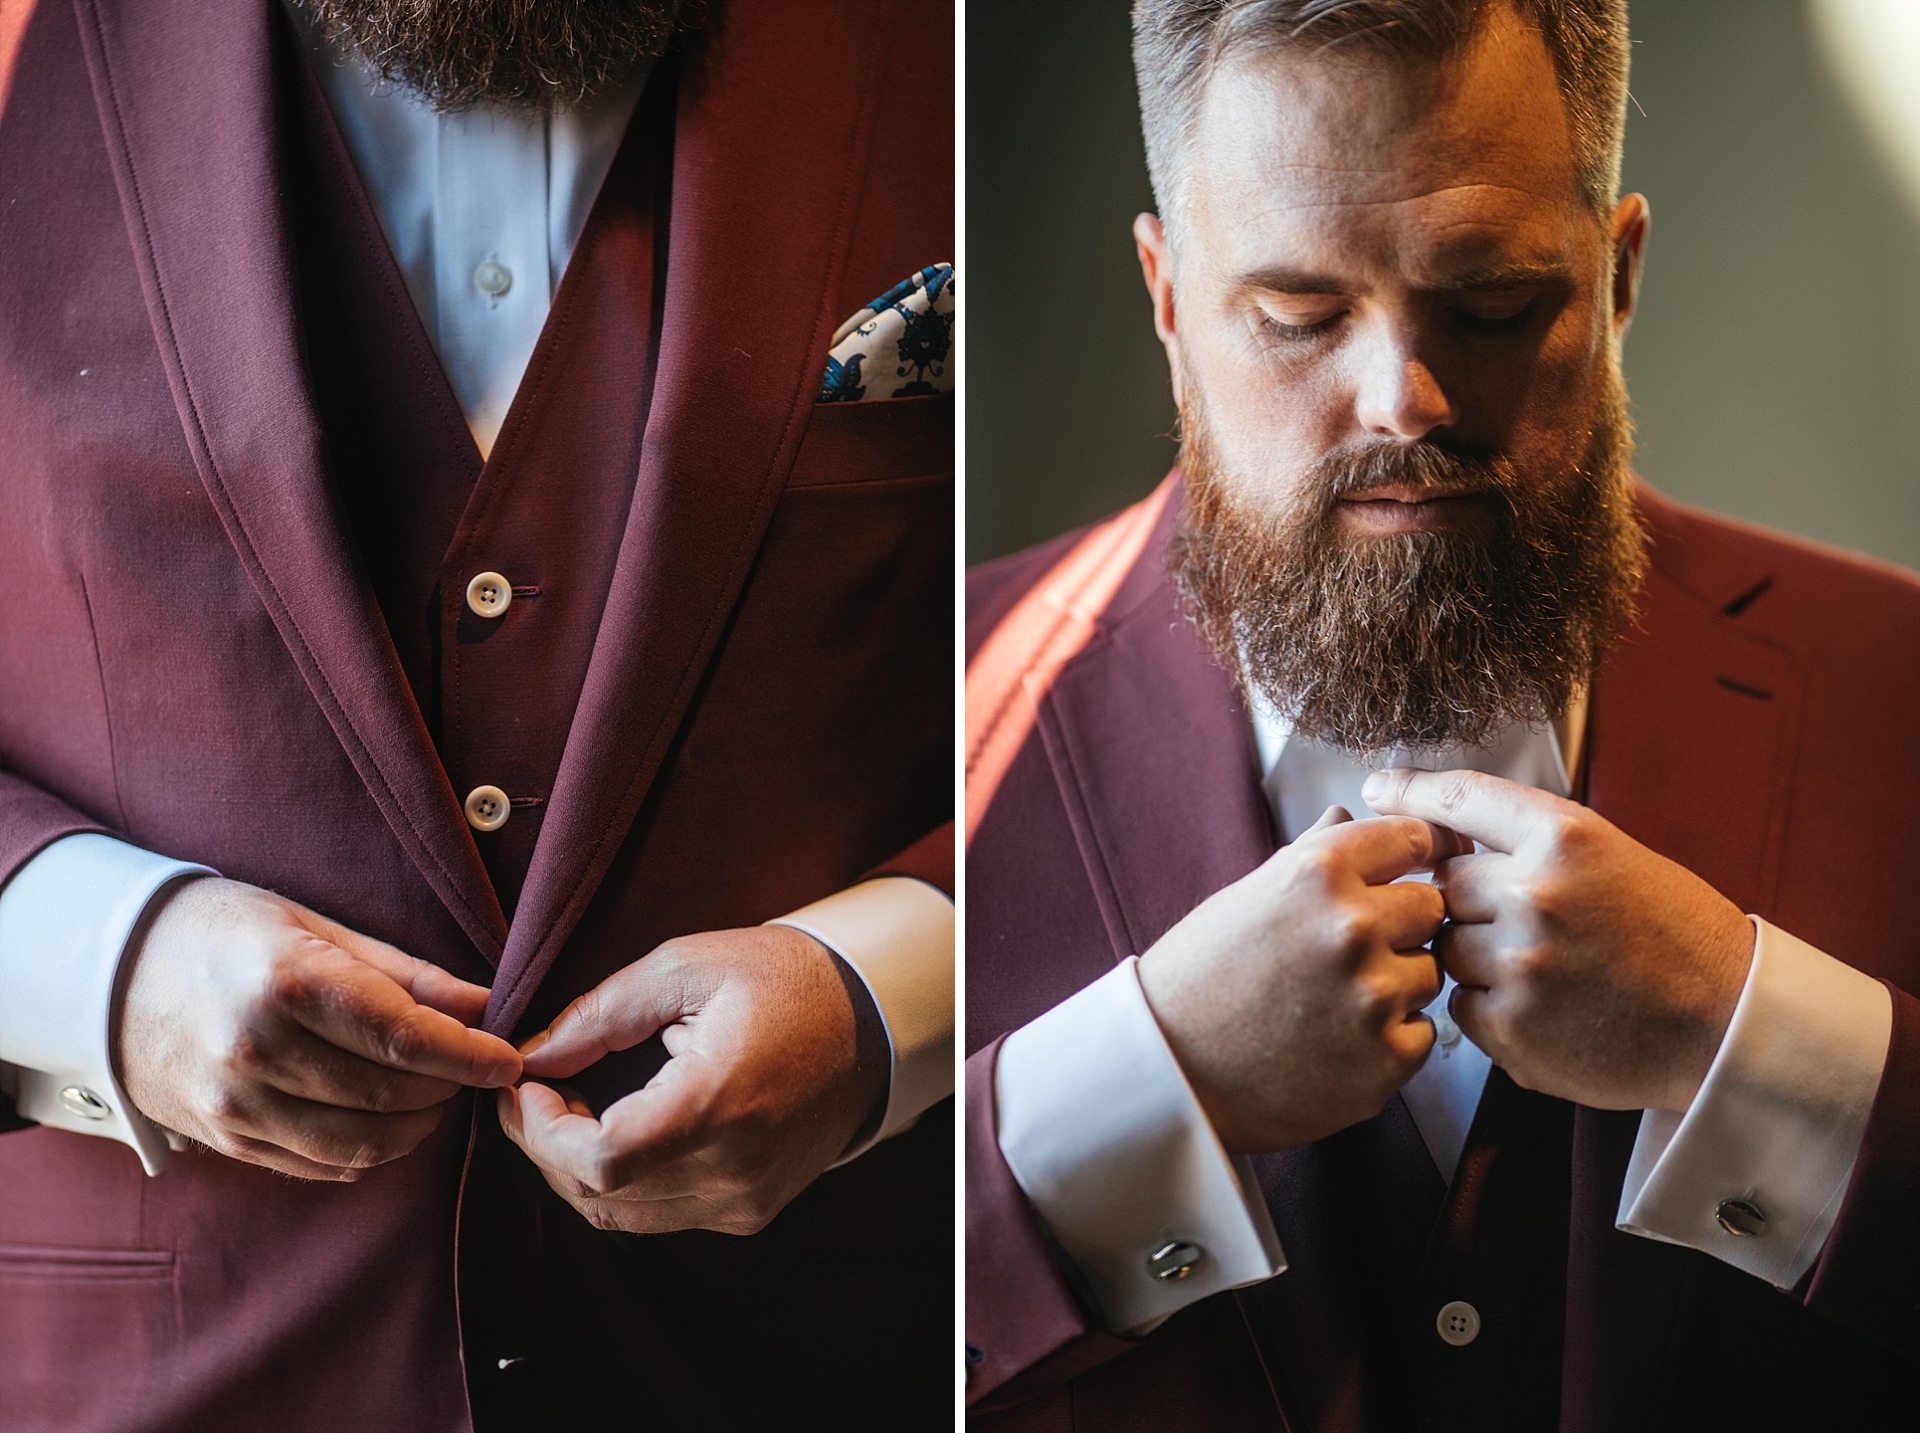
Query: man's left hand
[[763, 1092], [1590, 968]]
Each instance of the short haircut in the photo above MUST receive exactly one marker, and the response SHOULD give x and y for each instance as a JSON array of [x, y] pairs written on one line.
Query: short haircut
[[1178, 46]]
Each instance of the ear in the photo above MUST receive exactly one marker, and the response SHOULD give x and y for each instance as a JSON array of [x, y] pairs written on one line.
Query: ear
[[1630, 222], [1156, 267]]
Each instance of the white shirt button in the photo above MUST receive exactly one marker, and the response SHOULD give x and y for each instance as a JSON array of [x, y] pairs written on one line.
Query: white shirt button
[[489, 594], [1446, 1034], [487, 808], [492, 278], [1459, 1323]]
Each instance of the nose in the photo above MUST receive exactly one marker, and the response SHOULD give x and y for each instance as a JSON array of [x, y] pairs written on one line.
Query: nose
[[1400, 397]]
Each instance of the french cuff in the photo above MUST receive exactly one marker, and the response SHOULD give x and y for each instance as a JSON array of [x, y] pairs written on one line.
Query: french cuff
[[1104, 1135], [897, 934], [1755, 1171], [65, 919]]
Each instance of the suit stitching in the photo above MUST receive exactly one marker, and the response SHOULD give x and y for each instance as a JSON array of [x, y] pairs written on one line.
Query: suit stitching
[[204, 446], [106, 706]]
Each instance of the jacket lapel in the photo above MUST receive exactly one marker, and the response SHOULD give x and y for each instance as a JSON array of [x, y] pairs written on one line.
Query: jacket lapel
[[1153, 752], [766, 168], [1690, 752], [194, 159]]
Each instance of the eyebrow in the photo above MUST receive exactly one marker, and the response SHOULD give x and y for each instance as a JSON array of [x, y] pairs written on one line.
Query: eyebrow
[[1279, 279]]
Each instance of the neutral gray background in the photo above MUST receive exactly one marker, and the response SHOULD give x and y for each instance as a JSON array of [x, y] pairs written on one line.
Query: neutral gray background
[[1772, 365]]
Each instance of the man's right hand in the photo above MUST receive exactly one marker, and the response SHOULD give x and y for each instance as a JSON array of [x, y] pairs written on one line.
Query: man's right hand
[[275, 1036], [1291, 998]]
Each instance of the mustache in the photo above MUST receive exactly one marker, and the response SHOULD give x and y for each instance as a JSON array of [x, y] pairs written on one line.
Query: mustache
[[1437, 469]]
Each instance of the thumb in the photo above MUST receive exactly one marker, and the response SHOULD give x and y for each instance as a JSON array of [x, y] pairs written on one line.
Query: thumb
[[627, 1007]]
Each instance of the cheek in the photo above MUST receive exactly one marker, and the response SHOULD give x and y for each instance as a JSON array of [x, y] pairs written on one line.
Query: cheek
[[1267, 420]]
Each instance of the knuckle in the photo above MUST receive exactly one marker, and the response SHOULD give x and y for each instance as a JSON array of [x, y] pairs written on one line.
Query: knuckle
[[1453, 790], [226, 1107]]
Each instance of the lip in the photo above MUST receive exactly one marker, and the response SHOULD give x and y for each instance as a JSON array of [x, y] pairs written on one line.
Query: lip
[[1412, 509]]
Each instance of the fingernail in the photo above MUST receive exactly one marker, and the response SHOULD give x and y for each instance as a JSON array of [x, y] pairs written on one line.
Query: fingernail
[[1374, 785], [536, 1042], [504, 1073]]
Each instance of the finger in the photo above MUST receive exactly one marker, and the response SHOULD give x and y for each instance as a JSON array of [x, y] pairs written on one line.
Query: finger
[[627, 1007], [1471, 885], [1388, 848], [1332, 816], [1469, 953], [1474, 1010], [271, 1156], [325, 1134], [424, 981], [635, 1138], [1492, 810], [299, 1063], [1412, 1039], [348, 1003], [1409, 913]]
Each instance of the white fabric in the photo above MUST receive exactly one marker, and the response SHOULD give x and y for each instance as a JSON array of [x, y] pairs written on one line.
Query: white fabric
[[898, 935], [453, 191], [64, 919], [1103, 1133], [1778, 1120]]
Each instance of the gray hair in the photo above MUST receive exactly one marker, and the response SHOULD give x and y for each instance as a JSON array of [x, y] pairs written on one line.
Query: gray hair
[[1178, 45]]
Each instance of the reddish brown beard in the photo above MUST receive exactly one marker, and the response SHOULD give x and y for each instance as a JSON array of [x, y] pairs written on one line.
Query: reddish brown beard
[[1421, 640], [459, 53]]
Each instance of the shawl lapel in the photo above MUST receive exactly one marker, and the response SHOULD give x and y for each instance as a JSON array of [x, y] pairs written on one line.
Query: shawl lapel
[[199, 179], [766, 169]]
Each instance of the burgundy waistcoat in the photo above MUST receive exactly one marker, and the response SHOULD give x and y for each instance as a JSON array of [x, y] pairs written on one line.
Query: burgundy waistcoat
[[242, 508]]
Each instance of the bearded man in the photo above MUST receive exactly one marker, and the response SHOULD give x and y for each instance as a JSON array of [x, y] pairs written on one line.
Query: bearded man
[[1609, 1124], [475, 724]]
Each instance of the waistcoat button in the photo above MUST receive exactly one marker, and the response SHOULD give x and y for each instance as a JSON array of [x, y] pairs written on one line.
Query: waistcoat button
[[1459, 1323], [487, 808], [489, 594]]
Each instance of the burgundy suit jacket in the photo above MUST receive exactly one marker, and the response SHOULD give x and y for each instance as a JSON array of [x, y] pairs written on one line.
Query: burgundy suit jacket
[[1754, 727], [234, 638]]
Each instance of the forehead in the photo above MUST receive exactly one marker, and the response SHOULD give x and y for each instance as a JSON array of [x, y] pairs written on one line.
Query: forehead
[[1404, 161]]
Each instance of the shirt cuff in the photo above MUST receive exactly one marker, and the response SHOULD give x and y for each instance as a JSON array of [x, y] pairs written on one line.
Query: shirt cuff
[[1104, 1136], [897, 934], [65, 919], [1777, 1123]]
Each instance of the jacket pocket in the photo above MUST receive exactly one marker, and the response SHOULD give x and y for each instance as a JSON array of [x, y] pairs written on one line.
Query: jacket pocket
[[88, 1337], [889, 438]]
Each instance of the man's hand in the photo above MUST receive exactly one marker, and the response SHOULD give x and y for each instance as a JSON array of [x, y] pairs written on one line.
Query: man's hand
[[275, 1036], [1292, 997], [1590, 968], [763, 1091]]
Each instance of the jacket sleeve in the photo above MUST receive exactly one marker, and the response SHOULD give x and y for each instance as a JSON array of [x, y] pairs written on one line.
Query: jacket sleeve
[[1026, 1330], [1868, 1276]]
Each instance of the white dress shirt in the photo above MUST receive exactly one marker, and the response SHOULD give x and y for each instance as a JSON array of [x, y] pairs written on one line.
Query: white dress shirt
[[1777, 1122], [483, 210]]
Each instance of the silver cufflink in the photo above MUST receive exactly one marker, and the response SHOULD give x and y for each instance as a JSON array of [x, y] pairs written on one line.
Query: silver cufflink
[[1174, 1261], [1742, 1217]]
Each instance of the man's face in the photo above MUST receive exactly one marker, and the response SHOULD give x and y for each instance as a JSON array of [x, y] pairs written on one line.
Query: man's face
[[1394, 336]]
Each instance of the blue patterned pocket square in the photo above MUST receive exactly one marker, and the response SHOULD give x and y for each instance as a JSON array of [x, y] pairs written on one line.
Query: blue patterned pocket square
[[898, 346]]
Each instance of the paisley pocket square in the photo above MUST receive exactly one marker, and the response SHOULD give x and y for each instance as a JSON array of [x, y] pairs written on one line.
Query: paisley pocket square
[[898, 346]]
